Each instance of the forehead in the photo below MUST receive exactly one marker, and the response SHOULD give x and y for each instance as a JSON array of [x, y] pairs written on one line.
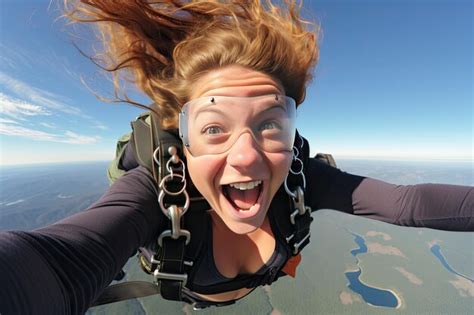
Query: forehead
[[236, 107], [236, 81]]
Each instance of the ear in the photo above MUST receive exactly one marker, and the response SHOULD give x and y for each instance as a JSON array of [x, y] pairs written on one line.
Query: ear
[[185, 152]]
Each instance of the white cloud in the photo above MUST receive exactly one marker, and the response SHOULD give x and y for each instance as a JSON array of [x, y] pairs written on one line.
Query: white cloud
[[38, 96], [75, 138], [7, 121], [18, 109], [51, 126], [36, 102], [10, 130], [101, 126], [7, 62], [42, 155], [38, 135], [16, 56]]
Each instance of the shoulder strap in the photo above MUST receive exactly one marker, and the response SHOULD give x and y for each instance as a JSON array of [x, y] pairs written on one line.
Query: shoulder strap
[[126, 290], [292, 223], [293, 216], [326, 158], [168, 262], [175, 258], [142, 141], [114, 171]]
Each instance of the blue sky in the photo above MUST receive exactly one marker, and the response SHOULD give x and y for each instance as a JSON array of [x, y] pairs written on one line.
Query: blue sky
[[394, 81]]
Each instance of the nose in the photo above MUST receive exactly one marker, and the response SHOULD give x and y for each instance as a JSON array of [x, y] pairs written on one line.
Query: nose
[[244, 153]]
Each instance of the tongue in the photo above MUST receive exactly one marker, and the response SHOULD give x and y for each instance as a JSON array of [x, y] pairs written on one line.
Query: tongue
[[243, 199]]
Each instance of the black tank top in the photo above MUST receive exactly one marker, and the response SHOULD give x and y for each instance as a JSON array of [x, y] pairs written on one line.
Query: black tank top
[[205, 278]]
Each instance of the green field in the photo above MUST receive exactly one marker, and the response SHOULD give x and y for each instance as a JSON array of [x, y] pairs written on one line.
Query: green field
[[399, 260]]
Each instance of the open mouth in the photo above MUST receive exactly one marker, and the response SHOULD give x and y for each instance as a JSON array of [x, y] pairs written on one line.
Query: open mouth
[[242, 196]]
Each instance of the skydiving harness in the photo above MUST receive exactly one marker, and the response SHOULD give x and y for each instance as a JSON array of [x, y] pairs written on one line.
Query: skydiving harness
[[170, 258]]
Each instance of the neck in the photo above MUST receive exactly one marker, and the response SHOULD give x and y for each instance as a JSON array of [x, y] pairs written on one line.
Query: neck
[[220, 228]]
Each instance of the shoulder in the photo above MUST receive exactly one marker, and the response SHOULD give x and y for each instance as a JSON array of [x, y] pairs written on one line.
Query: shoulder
[[319, 169], [329, 187], [136, 182], [136, 188]]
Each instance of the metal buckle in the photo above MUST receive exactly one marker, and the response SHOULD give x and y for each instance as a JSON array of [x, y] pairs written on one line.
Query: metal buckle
[[298, 202], [175, 232], [296, 246], [169, 233], [170, 276], [300, 209], [174, 213]]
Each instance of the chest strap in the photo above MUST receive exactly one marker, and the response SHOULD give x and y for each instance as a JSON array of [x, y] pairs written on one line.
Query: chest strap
[[172, 256], [296, 228]]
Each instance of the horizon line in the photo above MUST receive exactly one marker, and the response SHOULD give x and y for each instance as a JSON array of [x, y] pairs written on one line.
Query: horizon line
[[337, 157]]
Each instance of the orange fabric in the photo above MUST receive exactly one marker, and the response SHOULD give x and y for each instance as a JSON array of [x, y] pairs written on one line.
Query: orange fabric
[[291, 265]]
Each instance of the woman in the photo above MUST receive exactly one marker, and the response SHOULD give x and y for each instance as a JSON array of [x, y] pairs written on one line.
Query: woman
[[231, 76]]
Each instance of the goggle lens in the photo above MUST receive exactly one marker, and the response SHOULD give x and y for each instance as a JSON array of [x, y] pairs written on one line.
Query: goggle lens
[[212, 124]]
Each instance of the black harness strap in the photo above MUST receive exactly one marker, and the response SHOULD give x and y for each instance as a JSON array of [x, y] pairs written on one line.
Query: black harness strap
[[294, 226], [171, 260], [142, 141], [170, 274], [125, 291]]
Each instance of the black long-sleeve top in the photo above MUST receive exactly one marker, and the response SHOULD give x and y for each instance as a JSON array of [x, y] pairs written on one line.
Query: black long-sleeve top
[[62, 268]]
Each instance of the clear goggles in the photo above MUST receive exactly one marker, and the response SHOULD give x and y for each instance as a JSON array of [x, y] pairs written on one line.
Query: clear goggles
[[212, 124]]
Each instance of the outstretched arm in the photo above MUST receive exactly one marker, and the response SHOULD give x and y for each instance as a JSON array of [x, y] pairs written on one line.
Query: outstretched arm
[[62, 268], [438, 206]]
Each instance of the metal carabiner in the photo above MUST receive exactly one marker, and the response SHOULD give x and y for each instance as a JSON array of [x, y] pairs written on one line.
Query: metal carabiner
[[175, 213], [298, 202], [161, 197]]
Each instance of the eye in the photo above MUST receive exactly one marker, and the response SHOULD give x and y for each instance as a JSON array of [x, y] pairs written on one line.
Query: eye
[[212, 130], [268, 125]]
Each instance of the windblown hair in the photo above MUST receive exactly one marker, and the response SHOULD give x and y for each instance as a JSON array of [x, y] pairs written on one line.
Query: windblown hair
[[166, 45]]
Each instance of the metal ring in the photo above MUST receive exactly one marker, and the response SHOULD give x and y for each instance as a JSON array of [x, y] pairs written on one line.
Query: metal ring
[[304, 180], [302, 141], [288, 191], [183, 167], [300, 171], [155, 158], [168, 178], [295, 155], [161, 198]]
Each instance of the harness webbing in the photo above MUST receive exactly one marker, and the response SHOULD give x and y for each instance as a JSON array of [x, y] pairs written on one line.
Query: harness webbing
[[171, 262]]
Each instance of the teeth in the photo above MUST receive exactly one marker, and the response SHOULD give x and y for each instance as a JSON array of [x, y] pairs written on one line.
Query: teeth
[[245, 186]]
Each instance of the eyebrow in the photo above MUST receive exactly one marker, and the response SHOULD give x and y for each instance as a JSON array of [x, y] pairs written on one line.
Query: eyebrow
[[217, 110], [277, 106], [210, 110]]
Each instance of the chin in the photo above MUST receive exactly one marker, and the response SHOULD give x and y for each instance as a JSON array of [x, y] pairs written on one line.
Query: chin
[[237, 226], [243, 227]]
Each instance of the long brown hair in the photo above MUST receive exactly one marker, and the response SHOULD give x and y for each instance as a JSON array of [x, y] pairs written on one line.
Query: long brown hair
[[167, 45]]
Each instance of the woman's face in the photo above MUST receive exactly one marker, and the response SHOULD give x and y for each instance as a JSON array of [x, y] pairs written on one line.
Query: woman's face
[[226, 179]]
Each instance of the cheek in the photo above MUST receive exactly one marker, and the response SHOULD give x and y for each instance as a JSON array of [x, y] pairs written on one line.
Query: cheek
[[203, 171], [280, 164]]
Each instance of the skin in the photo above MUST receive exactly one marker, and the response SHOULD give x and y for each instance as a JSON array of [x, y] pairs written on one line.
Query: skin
[[252, 239], [244, 161]]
